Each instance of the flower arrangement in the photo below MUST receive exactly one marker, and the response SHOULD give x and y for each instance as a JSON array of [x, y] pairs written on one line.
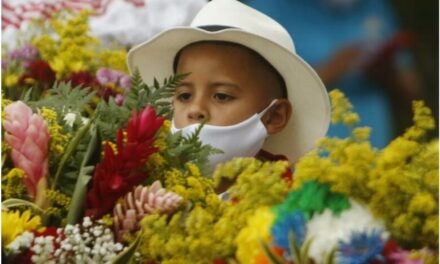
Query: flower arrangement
[[351, 203], [104, 181], [62, 50]]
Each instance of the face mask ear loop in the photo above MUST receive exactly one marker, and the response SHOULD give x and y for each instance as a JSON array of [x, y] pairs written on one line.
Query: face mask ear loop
[[262, 113]]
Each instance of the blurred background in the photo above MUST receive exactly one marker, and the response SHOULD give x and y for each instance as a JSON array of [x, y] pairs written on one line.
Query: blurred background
[[381, 53], [422, 17]]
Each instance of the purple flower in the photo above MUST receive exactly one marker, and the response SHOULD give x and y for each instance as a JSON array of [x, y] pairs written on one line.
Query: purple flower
[[119, 99], [125, 82], [5, 64], [107, 76], [362, 248], [27, 52]]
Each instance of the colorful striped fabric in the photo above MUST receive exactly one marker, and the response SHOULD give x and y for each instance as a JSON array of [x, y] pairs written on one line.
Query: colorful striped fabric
[[14, 13]]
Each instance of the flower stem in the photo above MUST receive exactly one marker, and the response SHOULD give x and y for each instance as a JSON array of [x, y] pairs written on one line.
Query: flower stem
[[71, 148]]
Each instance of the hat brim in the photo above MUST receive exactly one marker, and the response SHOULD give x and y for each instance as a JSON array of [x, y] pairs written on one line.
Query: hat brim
[[306, 92]]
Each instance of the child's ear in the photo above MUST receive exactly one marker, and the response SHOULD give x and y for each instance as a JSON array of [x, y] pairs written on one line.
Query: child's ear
[[276, 118]]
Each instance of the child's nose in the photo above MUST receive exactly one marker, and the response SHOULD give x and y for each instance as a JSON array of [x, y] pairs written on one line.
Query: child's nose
[[198, 112]]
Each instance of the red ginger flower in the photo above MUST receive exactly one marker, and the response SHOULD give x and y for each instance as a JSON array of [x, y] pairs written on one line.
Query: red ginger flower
[[28, 136], [119, 172]]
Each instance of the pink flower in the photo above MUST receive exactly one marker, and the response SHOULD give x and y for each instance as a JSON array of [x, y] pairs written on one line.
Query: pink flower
[[142, 201], [106, 76], [28, 136], [125, 82], [27, 52], [405, 257], [119, 99]]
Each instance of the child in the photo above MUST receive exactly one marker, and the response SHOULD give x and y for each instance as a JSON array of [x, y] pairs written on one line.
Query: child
[[246, 83]]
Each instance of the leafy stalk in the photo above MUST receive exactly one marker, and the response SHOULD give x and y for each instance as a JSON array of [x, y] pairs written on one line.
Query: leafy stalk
[[273, 258], [71, 149], [83, 179], [189, 149], [14, 202], [64, 98], [127, 255], [294, 248]]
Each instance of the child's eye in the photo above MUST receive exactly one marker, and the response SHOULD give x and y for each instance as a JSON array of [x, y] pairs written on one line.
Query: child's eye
[[183, 97], [221, 97]]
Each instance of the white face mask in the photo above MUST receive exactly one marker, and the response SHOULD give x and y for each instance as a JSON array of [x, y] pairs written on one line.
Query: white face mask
[[244, 139]]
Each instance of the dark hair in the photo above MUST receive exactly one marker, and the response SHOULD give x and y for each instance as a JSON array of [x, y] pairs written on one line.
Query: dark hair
[[253, 53]]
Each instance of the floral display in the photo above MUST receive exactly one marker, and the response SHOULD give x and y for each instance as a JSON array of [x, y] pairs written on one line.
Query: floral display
[[351, 203], [92, 174]]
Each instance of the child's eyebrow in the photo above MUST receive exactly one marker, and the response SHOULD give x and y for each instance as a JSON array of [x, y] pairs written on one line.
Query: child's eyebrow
[[212, 85], [229, 84], [189, 84]]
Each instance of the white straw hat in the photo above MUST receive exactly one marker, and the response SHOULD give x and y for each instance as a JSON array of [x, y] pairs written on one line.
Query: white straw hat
[[232, 21]]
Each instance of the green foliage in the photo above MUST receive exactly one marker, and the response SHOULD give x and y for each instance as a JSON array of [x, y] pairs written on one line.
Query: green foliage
[[111, 116], [182, 150], [158, 96], [64, 98]]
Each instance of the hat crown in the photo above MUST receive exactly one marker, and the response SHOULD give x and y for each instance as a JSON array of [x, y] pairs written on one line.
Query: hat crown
[[232, 13]]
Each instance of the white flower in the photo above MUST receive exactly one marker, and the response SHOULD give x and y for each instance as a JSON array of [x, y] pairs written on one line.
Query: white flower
[[23, 241], [327, 229], [87, 222], [70, 118]]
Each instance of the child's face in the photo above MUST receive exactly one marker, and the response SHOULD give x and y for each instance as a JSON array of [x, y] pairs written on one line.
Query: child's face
[[227, 85]]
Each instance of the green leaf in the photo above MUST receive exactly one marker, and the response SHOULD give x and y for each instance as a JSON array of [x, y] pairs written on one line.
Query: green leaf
[[64, 98], [26, 97], [305, 248], [80, 192], [127, 255], [14, 202], [294, 248], [140, 95], [331, 256], [71, 147]]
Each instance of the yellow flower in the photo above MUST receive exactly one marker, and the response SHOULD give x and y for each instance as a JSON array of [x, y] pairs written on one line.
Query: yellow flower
[[423, 203], [350, 119], [11, 80], [13, 184], [112, 146], [58, 65], [341, 109], [257, 230], [59, 198], [361, 133], [107, 220], [46, 46], [14, 224], [116, 59], [399, 182], [58, 138]]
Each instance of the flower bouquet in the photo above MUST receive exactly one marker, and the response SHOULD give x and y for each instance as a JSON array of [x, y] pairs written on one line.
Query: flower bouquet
[[351, 203], [92, 174]]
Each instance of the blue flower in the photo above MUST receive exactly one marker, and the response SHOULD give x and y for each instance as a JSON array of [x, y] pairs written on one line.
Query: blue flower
[[363, 247], [292, 222]]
